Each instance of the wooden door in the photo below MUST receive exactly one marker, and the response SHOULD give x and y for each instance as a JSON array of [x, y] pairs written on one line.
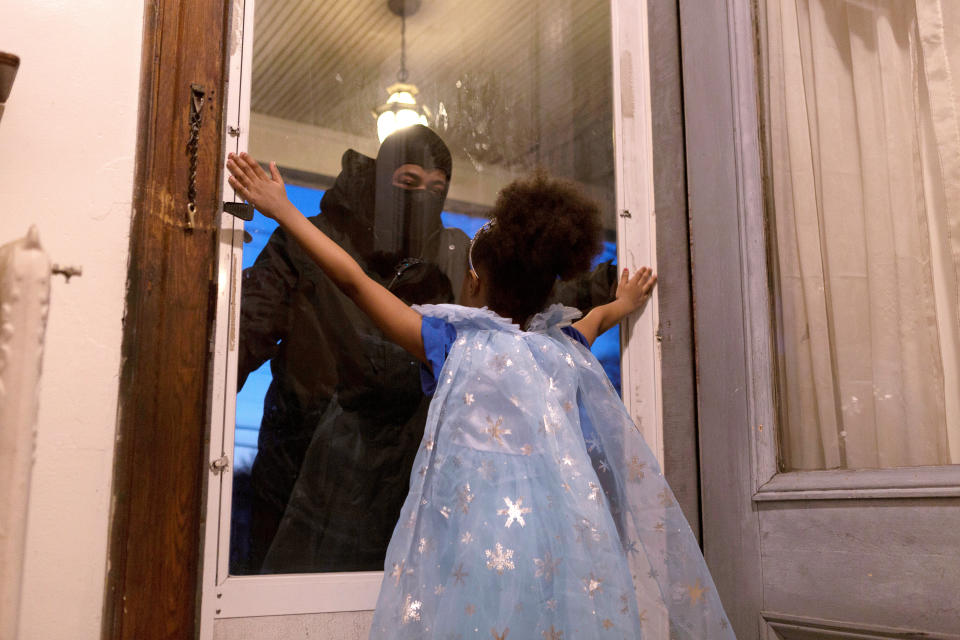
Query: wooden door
[[824, 553]]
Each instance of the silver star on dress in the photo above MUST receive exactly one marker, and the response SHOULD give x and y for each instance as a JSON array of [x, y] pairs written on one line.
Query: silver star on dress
[[464, 498], [425, 545], [411, 610], [500, 560], [546, 566], [495, 430], [514, 512], [459, 575], [696, 591], [595, 492], [501, 362], [592, 585], [552, 634], [586, 532], [400, 570]]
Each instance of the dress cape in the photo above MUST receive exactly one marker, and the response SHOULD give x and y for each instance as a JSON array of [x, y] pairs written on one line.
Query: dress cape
[[536, 510]]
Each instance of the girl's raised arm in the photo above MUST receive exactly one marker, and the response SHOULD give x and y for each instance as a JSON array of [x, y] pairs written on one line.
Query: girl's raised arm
[[399, 323]]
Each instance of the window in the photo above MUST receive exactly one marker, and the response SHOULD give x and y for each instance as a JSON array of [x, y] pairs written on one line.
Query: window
[[862, 140], [506, 88]]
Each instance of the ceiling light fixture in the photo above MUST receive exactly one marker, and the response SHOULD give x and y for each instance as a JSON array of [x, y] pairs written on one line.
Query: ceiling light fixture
[[401, 109]]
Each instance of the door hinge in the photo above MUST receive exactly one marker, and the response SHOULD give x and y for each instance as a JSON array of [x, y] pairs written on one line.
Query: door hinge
[[220, 464]]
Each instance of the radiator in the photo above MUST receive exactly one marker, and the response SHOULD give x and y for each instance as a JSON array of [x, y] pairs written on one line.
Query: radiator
[[24, 298]]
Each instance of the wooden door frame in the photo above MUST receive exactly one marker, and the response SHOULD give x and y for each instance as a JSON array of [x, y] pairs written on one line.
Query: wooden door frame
[[675, 321], [730, 293], [154, 552]]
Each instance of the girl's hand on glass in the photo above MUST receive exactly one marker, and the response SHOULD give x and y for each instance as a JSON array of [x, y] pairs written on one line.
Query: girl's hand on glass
[[635, 291], [265, 192]]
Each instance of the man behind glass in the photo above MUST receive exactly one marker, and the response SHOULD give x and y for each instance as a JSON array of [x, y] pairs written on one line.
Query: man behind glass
[[344, 413]]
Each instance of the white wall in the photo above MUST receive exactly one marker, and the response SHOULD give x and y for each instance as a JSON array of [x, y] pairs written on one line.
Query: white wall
[[67, 141]]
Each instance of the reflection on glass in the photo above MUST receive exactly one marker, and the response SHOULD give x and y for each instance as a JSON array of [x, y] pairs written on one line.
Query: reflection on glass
[[329, 412], [862, 133]]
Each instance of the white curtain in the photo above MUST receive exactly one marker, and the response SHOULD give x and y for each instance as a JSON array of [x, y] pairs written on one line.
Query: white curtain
[[863, 153]]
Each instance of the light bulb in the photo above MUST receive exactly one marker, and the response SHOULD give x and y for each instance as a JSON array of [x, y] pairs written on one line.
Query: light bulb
[[393, 116]]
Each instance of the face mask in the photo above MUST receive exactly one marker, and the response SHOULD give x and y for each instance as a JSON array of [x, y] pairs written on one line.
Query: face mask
[[406, 222], [421, 216]]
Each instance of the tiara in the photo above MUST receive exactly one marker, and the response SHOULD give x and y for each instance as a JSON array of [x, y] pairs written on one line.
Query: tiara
[[486, 227]]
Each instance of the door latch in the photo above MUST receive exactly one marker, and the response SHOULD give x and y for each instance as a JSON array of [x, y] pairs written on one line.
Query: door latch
[[242, 210], [220, 464]]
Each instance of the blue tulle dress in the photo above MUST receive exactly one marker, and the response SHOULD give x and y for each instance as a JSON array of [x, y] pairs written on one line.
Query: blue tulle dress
[[535, 509]]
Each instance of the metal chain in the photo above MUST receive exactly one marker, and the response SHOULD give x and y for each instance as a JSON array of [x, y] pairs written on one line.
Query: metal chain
[[193, 144], [402, 74]]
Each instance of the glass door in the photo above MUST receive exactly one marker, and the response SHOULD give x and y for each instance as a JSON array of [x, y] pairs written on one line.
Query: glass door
[[321, 414]]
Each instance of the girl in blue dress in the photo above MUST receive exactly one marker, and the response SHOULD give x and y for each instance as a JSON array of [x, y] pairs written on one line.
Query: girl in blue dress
[[535, 508]]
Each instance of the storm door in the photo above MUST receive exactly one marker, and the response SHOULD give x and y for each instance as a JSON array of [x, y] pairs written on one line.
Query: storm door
[[320, 416]]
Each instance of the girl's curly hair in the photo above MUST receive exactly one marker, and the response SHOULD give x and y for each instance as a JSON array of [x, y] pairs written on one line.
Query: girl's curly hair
[[543, 229]]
